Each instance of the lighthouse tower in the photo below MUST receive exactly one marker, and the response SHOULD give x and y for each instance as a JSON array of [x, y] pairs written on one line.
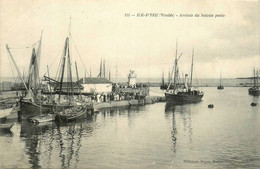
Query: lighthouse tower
[[132, 78]]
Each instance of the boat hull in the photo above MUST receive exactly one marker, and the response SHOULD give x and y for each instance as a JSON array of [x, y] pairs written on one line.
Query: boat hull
[[220, 87], [30, 109], [183, 98], [76, 114], [5, 112], [43, 118], [254, 91]]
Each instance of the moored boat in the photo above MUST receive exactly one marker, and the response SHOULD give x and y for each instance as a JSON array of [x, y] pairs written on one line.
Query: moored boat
[[74, 113], [255, 90], [220, 87], [5, 112], [43, 118], [182, 92]]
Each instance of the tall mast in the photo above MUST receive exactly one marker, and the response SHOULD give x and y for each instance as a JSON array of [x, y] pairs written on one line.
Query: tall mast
[[175, 68], [16, 67], [191, 67], [257, 76], [254, 78], [100, 69], [77, 77], [70, 74], [63, 65], [109, 75], [176, 64], [38, 53], [49, 81], [163, 78]]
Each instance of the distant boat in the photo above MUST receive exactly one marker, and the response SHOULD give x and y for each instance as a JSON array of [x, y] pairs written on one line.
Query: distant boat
[[164, 86], [255, 90], [220, 87], [182, 93]]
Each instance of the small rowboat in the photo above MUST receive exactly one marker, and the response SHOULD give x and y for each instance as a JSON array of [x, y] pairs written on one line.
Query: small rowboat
[[5, 112], [43, 118]]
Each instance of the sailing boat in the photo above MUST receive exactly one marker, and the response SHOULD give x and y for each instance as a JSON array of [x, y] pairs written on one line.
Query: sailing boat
[[220, 87], [255, 90], [182, 93], [164, 85], [79, 108], [32, 105]]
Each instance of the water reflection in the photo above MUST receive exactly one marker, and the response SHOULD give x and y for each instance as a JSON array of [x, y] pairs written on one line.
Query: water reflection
[[65, 140], [183, 111], [130, 112], [169, 110]]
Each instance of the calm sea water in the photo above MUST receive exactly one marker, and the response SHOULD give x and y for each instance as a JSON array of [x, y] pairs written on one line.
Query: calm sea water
[[160, 135]]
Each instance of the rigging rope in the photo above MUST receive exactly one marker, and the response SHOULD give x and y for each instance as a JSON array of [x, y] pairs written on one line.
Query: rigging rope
[[12, 69], [79, 55], [55, 58]]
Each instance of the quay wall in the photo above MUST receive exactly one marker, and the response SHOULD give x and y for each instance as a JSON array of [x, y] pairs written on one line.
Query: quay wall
[[120, 103]]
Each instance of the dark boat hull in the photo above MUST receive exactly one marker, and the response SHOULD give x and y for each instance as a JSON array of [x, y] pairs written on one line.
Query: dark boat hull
[[62, 117], [220, 87], [30, 109], [183, 98], [254, 91]]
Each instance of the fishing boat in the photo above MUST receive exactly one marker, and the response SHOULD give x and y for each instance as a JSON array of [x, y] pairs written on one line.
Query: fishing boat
[[164, 86], [255, 90], [220, 87], [74, 113], [33, 104], [182, 92]]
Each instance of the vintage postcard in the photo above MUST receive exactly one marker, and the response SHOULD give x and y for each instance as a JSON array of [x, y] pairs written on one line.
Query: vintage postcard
[[129, 84]]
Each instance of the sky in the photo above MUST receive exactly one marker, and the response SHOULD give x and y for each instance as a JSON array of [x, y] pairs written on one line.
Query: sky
[[100, 30]]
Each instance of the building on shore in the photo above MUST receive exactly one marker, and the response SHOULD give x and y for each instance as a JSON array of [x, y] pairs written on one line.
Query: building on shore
[[96, 84]]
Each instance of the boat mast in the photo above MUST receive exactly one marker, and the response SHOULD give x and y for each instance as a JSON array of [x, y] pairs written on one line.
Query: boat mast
[[191, 67], [49, 82], [69, 74], [257, 77], [78, 78], [16, 67], [175, 66], [163, 78], [254, 78], [175, 69], [63, 65], [100, 69]]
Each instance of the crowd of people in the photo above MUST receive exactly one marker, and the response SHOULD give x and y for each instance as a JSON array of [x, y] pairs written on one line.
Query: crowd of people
[[114, 96], [138, 85]]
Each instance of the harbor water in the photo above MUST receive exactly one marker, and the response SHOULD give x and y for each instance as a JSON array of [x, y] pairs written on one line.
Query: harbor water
[[159, 135]]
